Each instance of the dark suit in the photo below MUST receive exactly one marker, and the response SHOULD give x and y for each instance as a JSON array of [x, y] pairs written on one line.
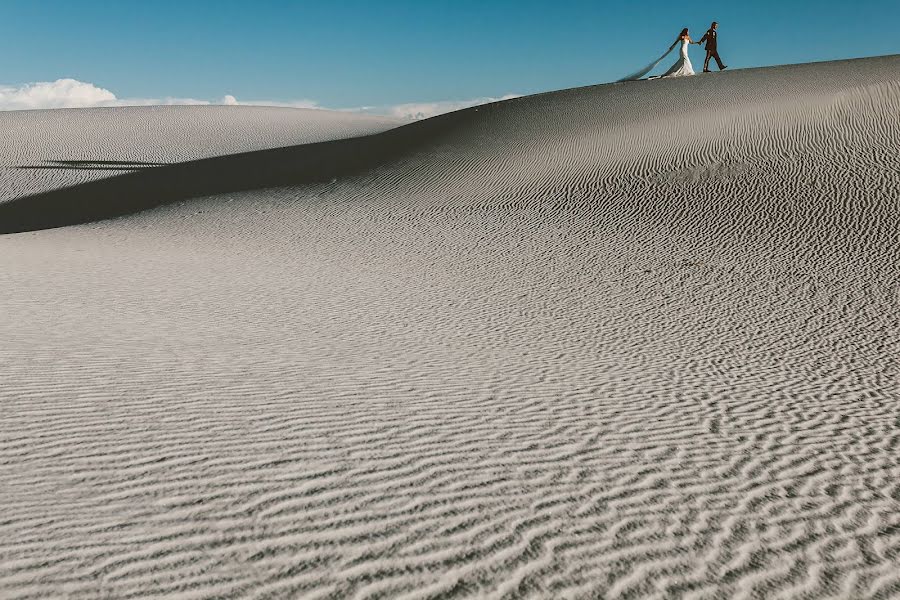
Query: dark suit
[[712, 49]]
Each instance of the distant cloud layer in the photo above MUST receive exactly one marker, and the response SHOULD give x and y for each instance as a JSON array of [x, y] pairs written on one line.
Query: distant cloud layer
[[423, 110], [62, 93], [232, 101], [71, 93]]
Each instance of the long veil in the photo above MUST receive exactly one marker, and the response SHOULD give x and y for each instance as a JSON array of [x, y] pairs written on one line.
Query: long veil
[[651, 66]]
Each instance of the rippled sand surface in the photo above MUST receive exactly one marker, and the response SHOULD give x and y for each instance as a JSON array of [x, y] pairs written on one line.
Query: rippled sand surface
[[634, 340]]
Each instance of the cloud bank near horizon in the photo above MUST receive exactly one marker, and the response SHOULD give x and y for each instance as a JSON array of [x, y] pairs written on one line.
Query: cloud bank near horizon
[[423, 110], [71, 93]]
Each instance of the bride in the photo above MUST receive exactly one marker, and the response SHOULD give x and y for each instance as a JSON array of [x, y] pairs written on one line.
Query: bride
[[681, 68]]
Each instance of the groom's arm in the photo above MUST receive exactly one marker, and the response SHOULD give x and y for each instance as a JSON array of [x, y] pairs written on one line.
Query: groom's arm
[[703, 39]]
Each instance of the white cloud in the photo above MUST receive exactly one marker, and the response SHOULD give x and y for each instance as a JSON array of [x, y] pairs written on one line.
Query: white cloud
[[71, 93], [230, 100], [61, 93], [424, 110], [158, 102]]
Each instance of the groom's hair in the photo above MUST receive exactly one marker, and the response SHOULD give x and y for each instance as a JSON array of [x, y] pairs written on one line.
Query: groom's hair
[[715, 22]]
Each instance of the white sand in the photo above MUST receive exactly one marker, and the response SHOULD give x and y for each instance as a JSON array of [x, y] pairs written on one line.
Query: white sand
[[49, 149], [635, 340]]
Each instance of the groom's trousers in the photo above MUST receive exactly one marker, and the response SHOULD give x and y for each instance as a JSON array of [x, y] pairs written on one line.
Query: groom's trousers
[[712, 53]]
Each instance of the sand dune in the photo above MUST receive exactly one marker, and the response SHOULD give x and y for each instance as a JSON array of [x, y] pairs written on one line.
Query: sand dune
[[633, 340], [44, 150]]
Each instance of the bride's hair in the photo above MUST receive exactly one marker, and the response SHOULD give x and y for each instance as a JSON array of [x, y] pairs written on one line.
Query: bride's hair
[[683, 33]]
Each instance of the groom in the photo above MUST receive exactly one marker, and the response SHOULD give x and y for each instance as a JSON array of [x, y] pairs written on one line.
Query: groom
[[712, 50]]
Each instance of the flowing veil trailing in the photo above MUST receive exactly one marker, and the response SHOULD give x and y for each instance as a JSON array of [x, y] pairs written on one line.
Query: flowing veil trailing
[[651, 66]]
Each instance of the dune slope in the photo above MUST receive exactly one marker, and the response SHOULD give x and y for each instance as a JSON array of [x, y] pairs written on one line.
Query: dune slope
[[45, 150], [634, 340]]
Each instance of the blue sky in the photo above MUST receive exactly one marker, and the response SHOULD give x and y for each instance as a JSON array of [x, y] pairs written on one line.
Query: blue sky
[[349, 53]]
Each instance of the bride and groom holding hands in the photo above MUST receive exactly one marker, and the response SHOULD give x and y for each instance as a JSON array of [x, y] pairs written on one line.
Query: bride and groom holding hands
[[683, 66]]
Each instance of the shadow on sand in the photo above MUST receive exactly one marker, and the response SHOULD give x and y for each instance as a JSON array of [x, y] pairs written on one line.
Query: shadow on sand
[[94, 165], [149, 187]]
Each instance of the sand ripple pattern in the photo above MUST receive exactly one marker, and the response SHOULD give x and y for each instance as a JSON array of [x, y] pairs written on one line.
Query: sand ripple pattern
[[603, 343]]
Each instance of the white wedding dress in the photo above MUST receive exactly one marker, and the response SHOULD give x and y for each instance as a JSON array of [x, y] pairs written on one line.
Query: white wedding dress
[[683, 67], [680, 69]]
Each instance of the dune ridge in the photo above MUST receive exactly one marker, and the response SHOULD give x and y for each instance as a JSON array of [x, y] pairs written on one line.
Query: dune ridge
[[621, 341], [44, 150]]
